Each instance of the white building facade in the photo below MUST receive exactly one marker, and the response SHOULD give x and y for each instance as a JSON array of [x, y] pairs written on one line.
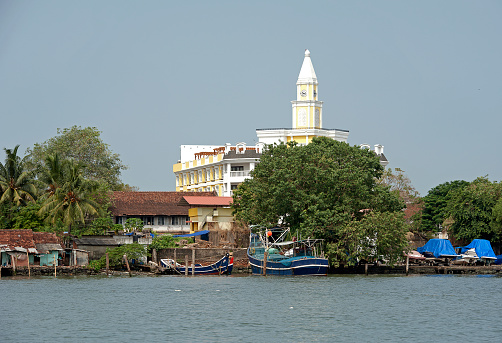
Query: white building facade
[[220, 169]]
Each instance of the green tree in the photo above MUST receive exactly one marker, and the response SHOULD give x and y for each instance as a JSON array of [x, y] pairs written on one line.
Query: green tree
[[399, 183], [16, 184], [83, 145], [165, 242], [316, 189], [435, 202], [472, 210], [72, 202], [133, 224], [376, 236], [133, 251]]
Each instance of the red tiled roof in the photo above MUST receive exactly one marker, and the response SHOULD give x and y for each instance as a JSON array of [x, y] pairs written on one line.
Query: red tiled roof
[[206, 201], [151, 203], [17, 238], [45, 238]]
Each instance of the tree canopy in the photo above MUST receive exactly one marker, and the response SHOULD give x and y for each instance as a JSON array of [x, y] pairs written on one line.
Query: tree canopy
[[434, 205], [474, 211], [317, 189], [85, 146], [16, 183]]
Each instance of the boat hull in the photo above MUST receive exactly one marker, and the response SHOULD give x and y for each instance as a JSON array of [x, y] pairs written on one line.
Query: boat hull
[[305, 266], [223, 266]]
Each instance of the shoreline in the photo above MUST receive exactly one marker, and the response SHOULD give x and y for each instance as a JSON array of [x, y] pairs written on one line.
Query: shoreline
[[245, 270]]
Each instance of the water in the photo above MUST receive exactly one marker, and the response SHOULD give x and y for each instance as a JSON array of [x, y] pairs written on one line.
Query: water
[[441, 308]]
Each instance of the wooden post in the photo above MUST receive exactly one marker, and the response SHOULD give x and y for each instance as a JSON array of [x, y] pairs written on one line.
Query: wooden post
[[127, 265], [13, 259], [55, 271], [186, 264], [193, 261], [366, 269], [107, 264], [265, 257], [407, 264], [28, 257], [174, 257]]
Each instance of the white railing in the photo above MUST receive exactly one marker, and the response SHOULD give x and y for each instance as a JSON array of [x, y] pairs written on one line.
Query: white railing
[[239, 173]]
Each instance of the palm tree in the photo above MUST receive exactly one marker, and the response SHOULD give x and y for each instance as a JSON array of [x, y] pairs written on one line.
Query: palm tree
[[71, 201], [52, 174], [16, 184]]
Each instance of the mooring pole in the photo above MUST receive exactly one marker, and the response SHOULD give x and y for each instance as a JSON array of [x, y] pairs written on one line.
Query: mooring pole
[[127, 264], [107, 264], [407, 264], [193, 261], [55, 270], [28, 257], [366, 269], [265, 257], [186, 264]]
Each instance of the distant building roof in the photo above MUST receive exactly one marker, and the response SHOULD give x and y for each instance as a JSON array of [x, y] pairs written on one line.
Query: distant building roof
[[151, 203], [206, 201], [96, 240]]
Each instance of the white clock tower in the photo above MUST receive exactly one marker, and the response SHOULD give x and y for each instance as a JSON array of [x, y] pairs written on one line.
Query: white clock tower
[[307, 109]]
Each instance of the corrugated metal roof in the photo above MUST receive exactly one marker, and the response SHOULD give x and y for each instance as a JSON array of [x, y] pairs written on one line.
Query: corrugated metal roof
[[206, 201]]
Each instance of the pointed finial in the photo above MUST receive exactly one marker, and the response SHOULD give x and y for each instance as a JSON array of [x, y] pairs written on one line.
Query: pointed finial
[[307, 52]]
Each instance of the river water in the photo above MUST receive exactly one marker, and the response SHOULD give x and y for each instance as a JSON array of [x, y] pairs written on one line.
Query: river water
[[442, 308]]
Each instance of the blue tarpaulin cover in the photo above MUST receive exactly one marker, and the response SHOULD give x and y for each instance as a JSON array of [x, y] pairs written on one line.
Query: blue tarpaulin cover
[[198, 233], [438, 247], [482, 246]]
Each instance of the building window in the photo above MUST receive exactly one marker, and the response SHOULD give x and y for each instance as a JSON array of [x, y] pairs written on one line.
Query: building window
[[232, 187], [179, 220], [119, 220], [237, 168], [160, 220], [147, 220]]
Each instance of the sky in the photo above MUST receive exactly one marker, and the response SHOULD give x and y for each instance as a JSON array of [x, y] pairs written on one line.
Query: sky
[[422, 78]]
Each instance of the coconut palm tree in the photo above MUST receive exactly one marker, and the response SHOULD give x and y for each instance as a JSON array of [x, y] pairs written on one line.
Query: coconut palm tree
[[52, 174], [16, 184], [71, 201]]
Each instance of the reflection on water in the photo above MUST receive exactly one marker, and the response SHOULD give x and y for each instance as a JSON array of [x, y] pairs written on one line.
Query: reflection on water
[[442, 308]]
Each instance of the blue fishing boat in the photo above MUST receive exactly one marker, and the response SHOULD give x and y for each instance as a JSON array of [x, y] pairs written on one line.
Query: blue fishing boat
[[222, 266], [270, 254]]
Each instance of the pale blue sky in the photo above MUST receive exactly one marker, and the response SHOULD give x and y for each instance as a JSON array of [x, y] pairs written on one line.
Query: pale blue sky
[[422, 78]]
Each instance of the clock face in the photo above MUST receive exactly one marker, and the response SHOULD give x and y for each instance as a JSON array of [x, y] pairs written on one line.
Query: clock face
[[303, 92]]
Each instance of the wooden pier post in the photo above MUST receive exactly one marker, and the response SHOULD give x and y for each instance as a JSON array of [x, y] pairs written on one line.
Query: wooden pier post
[[127, 264], [55, 270], [407, 264], [14, 260], [174, 257], [107, 264], [265, 257], [186, 264], [366, 269], [193, 261], [28, 257]]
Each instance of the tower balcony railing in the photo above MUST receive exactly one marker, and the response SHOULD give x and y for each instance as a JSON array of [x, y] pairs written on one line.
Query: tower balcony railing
[[239, 173]]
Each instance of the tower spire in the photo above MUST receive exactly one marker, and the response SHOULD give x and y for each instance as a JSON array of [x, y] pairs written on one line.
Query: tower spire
[[307, 73]]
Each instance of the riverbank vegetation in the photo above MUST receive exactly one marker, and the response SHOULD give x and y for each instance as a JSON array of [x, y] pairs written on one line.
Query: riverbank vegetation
[[62, 184]]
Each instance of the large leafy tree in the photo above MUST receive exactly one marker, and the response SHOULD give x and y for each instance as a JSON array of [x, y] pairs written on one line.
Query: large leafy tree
[[72, 202], [85, 146], [474, 210], [317, 189], [435, 203], [16, 184]]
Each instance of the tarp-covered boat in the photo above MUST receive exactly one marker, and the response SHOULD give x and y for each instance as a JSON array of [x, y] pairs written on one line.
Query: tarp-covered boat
[[482, 247], [438, 248], [223, 266]]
